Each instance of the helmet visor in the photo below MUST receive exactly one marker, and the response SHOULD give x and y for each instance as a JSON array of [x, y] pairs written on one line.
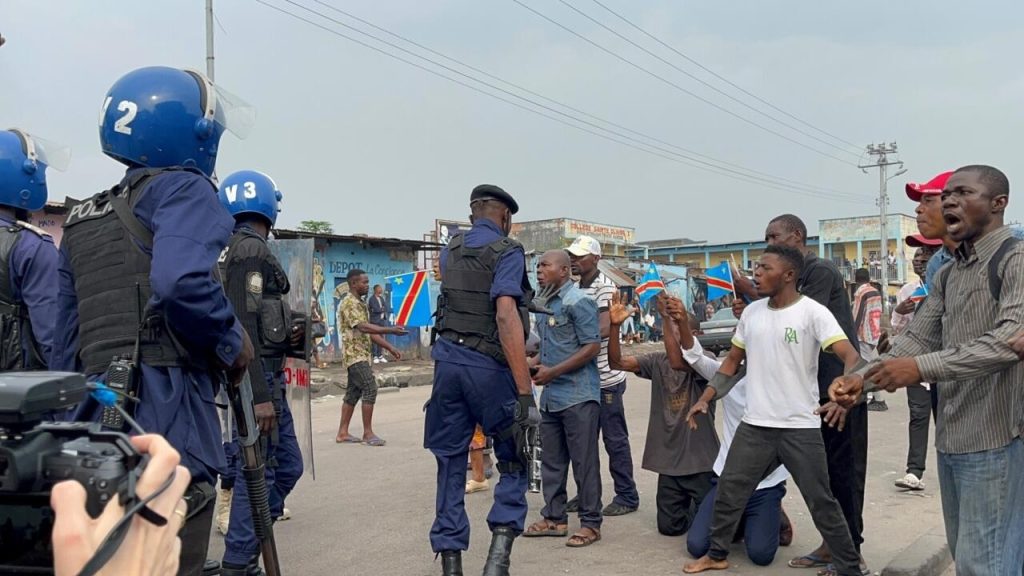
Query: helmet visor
[[234, 114], [54, 155]]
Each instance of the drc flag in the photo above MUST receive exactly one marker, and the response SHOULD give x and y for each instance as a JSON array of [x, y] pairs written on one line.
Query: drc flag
[[719, 281], [410, 299], [918, 295], [650, 284]]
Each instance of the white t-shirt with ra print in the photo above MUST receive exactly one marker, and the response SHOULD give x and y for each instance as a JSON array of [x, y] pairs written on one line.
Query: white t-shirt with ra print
[[782, 361], [601, 291]]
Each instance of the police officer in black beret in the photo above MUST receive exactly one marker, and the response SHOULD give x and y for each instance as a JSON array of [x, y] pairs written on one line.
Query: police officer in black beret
[[481, 376]]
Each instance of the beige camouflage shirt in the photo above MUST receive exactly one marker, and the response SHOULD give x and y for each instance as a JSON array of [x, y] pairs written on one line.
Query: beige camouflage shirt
[[355, 344]]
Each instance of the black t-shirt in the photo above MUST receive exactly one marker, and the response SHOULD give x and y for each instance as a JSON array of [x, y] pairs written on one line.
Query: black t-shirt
[[672, 448], [822, 281]]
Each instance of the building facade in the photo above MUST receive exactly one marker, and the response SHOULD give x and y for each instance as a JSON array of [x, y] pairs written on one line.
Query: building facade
[[541, 235], [850, 243]]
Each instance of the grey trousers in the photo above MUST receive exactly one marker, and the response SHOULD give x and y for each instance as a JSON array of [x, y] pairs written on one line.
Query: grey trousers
[[754, 451], [570, 436]]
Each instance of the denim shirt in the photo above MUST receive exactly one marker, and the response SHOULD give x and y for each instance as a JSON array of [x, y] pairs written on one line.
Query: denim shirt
[[937, 261], [574, 324]]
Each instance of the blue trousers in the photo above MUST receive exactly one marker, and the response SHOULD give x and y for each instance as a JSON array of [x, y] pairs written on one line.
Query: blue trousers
[[616, 444], [982, 501], [462, 397], [283, 470], [760, 524]]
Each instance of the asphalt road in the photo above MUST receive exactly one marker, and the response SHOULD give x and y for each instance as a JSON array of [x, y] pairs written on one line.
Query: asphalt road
[[369, 509]]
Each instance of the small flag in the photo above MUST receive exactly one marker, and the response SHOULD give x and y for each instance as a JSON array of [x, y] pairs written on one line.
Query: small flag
[[410, 299], [918, 295], [650, 284], [719, 281]]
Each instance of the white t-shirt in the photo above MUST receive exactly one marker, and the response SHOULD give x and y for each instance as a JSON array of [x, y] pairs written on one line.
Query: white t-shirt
[[733, 406], [782, 361]]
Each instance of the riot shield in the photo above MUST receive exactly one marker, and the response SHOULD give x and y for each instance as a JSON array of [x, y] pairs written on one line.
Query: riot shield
[[296, 257]]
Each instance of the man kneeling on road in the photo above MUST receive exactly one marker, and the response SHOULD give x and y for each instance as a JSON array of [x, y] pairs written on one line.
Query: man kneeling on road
[[682, 458]]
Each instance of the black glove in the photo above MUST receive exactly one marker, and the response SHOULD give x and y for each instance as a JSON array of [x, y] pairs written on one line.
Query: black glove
[[527, 413], [538, 304]]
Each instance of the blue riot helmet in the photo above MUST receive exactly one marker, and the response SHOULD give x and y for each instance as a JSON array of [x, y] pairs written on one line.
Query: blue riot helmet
[[250, 192], [23, 162], [160, 117]]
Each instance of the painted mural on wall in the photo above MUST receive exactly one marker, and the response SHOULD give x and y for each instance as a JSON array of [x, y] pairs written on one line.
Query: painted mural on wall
[[331, 265]]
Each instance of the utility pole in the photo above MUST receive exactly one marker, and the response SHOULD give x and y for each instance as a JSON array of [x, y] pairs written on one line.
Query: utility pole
[[209, 40], [881, 154]]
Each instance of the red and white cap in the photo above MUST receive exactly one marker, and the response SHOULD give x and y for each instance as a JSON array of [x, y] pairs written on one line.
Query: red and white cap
[[932, 187]]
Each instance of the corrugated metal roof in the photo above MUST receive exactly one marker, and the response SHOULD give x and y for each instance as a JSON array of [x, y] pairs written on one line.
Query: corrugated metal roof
[[284, 234], [619, 277]]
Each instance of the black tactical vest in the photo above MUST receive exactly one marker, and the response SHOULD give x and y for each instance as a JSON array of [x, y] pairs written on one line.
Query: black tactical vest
[[15, 326], [112, 281], [274, 317], [465, 313]]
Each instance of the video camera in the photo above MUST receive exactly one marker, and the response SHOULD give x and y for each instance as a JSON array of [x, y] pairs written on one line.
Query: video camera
[[35, 454]]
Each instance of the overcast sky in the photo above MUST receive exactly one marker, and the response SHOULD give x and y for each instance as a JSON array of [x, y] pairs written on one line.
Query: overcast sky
[[379, 147]]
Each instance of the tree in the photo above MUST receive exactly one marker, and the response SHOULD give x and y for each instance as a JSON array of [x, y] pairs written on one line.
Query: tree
[[316, 226]]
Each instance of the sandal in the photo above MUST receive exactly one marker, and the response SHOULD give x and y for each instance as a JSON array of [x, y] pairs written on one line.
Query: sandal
[[830, 570], [811, 560], [585, 537], [375, 441], [545, 527]]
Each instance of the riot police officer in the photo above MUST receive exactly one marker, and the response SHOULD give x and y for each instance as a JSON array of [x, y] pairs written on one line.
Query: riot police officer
[[28, 257], [256, 284], [481, 376], [138, 286]]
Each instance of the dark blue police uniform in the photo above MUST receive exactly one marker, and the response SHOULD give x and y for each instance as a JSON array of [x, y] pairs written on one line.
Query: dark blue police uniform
[[250, 254], [190, 228], [32, 268], [469, 388]]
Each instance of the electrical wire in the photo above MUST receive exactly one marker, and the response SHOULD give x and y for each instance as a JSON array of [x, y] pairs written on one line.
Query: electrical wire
[[724, 79], [577, 110], [641, 146], [682, 89]]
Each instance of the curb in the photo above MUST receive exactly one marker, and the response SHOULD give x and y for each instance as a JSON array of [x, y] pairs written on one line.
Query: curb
[[927, 556]]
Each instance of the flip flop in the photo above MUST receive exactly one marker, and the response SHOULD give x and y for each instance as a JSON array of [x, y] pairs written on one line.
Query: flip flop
[[349, 440], [375, 441], [808, 561]]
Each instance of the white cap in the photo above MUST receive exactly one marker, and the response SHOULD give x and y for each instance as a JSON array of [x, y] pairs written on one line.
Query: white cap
[[584, 245]]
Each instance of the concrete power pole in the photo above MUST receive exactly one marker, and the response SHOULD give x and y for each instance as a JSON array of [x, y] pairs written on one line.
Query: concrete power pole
[[209, 40], [881, 154]]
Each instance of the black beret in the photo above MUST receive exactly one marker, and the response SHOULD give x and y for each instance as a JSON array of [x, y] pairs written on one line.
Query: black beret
[[492, 192]]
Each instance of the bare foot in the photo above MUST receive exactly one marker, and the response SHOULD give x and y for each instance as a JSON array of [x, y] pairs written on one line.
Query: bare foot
[[705, 563]]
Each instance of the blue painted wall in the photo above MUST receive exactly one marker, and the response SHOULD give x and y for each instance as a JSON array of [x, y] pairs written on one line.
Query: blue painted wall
[[331, 264]]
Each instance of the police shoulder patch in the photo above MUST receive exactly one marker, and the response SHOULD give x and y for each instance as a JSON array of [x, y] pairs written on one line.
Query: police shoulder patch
[[254, 282], [38, 231]]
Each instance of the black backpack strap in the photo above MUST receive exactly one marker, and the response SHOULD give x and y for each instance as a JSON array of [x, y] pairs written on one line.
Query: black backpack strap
[[995, 281]]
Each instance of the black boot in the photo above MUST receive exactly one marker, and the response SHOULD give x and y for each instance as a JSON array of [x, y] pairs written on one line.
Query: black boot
[[253, 569], [498, 557], [451, 563]]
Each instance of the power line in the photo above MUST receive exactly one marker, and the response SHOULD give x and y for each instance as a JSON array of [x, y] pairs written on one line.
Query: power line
[[722, 78], [681, 89], [704, 83], [643, 147], [809, 187]]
